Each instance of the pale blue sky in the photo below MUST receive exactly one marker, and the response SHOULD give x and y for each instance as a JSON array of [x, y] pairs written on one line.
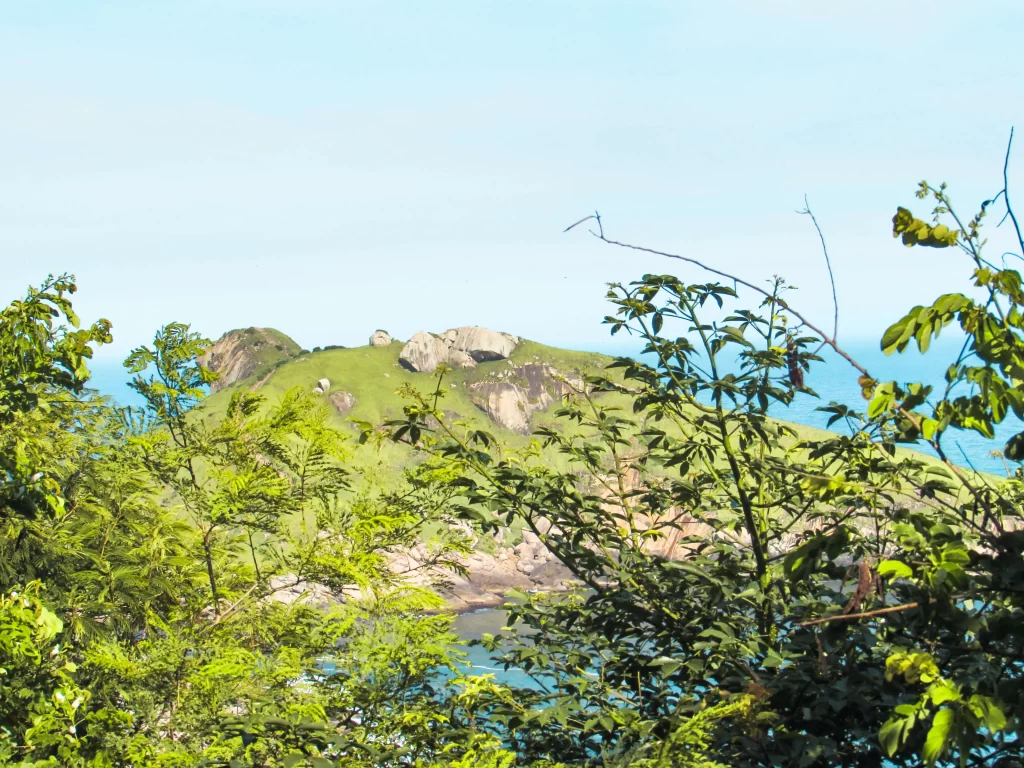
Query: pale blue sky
[[330, 167]]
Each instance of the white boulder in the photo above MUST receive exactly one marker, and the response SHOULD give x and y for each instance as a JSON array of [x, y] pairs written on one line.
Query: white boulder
[[423, 352], [462, 347], [380, 338], [481, 344]]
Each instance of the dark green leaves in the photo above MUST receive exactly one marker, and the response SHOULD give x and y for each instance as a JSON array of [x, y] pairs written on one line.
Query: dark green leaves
[[1014, 449]]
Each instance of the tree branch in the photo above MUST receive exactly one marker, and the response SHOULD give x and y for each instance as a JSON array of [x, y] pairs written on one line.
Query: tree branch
[[828, 263]]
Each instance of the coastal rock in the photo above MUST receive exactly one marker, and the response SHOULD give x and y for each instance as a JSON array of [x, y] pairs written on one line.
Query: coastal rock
[[551, 575], [342, 401], [423, 353], [247, 352], [481, 344], [513, 398], [285, 589], [461, 347], [380, 338]]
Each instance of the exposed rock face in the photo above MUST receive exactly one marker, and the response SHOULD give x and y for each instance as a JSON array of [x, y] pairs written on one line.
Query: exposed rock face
[[342, 401], [512, 400], [461, 359], [380, 338], [247, 352], [423, 352], [462, 347], [480, 343], [322, 386]]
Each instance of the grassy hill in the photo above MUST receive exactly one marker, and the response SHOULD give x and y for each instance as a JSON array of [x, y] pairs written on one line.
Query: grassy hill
[[373, 377]]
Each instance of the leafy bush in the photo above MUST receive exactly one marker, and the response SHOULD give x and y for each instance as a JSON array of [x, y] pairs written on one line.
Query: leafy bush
[[864, 603]]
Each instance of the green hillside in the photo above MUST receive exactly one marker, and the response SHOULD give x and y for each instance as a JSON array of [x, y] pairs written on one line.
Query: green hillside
[[374, 377]]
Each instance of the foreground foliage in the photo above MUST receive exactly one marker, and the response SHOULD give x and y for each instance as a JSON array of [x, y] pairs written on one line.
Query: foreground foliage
[[178, 592], [850, 603]]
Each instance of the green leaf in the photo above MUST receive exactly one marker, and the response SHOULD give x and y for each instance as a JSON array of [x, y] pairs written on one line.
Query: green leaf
[[938, 735], [665, 664], [894, 569], [986, 710], [891, 735]]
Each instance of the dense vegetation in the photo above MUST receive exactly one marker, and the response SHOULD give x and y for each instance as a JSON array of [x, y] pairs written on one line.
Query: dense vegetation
[[839, 602]]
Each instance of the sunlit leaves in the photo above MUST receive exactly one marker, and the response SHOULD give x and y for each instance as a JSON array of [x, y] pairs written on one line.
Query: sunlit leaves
[[917, 232]]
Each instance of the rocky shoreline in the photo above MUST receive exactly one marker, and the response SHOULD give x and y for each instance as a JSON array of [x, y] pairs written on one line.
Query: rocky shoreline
[[528, 566]]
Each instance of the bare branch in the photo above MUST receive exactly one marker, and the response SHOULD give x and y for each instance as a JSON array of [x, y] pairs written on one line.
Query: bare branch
[[1006, 192], [597, 217], [865, 615], [828, 263], [831, 342]]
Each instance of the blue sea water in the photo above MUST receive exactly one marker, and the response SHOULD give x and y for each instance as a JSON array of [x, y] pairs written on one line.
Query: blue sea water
[[834, 379], [110, 377]]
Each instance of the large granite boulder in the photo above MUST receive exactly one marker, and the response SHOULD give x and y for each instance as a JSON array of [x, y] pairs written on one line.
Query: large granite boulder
[[245, 353], [423, 353], [460, 359], [461, 347], [481, 344], [380, 338]]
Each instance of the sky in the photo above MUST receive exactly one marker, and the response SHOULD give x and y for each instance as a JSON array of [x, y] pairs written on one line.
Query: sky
[[328, 167]]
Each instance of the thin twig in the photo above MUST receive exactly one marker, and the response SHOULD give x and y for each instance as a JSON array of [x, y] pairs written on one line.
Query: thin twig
[[1006, 191], [828, 263], [866, 614], [831, 342], [576, 224]]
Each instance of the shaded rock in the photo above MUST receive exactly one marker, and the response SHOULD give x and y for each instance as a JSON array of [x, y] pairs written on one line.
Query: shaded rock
[[552, 575], [380, 338], [342, 401], [423, 353]]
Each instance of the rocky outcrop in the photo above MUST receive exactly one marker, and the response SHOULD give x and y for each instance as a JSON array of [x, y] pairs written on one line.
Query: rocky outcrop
[[513, 396], [480, 343], [423, 352], [527, 566], [462, 347], [380, 338], [342, 401], [247, 352]]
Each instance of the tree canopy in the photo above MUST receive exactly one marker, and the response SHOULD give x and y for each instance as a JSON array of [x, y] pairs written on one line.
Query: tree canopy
[[176, 591]]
